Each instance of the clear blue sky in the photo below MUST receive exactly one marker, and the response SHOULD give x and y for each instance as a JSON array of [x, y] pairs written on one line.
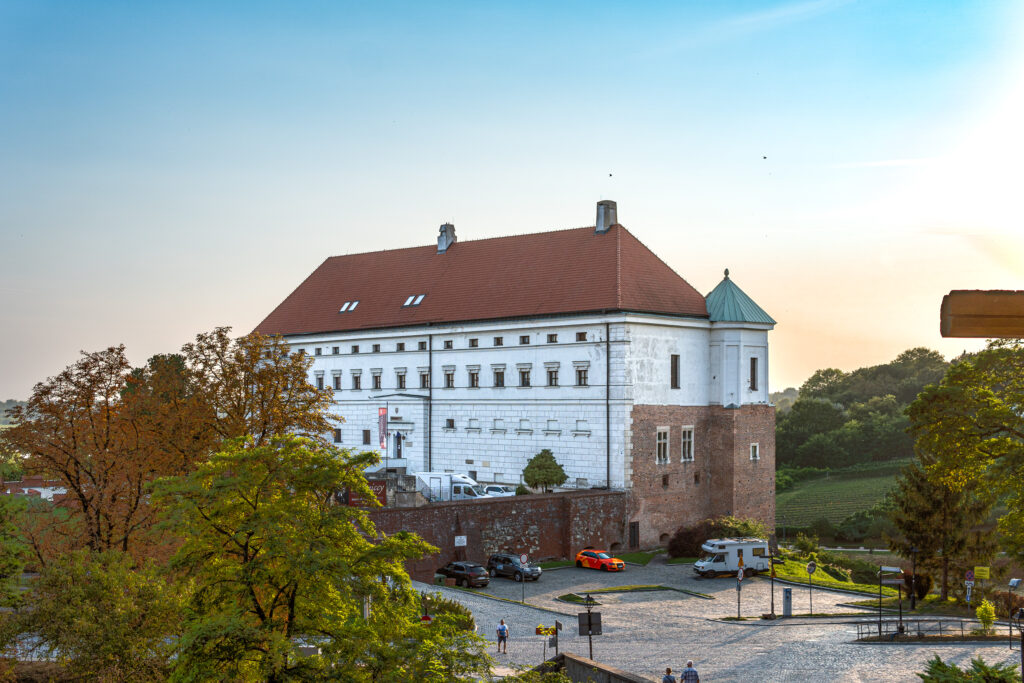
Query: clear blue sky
[[169, 167]]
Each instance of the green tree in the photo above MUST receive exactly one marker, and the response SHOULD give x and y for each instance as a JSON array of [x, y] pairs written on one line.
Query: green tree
[[276, 561], [544, 471], [13, 549], [943, 523], [101, 617], [972, 422], [808, 417]]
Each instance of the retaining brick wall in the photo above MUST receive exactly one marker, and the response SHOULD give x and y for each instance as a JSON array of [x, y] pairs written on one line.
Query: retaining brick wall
[[544, 526]]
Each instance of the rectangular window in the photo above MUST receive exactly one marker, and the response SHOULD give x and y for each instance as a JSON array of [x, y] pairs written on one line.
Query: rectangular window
[[449, 423], [552, 378], [474, 379], [355, 349], [401, 380], [524, 339], [337, 435], [581, 336], [376, 381], [366, 437], [552, 339], [753, 374], [499, 341], [449, 380], [473, 343], [755, 452], [336, 350], [319, 381], [400, 346], [357, 382], [423, 346], [448, 343], [337, 382], [499, 378], [661, 446], [524, 378], [316, 351], [424, 380], [376, 348], [675, 371], [686, 448], [581, 377]]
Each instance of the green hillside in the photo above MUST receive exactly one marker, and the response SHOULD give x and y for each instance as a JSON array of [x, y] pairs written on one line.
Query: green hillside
[[836, 497]]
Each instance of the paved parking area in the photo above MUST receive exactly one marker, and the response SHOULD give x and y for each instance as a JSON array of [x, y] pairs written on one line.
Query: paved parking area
[[645, 632]]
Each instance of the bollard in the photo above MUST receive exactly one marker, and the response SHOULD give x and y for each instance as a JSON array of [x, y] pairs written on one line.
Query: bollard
[[787, 602]]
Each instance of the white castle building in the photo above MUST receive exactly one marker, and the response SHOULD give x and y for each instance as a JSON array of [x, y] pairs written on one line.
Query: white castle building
[[580, 341]]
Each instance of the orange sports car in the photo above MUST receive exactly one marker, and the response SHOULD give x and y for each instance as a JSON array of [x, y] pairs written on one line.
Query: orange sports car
[[599, 559]]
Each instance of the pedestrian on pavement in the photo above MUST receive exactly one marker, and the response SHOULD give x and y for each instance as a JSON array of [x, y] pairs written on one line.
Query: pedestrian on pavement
[[668, 677], [689, 674], [502, 636]]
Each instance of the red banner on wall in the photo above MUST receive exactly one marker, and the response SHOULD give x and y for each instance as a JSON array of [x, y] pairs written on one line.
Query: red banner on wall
[[382, 427], [379, 488]]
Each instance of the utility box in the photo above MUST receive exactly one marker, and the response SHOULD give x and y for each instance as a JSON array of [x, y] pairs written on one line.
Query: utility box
[[787, 602]]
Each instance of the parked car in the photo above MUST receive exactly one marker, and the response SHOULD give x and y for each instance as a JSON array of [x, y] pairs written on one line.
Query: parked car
[[507, 564], [500, 490], [592, 558], [466, 574]]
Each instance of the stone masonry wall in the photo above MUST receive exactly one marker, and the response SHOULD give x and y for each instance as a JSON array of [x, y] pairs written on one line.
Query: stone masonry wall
[[544, 526]]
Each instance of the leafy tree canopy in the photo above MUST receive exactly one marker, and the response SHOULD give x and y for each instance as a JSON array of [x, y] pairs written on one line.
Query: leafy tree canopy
[[543, 471], [277, 562]]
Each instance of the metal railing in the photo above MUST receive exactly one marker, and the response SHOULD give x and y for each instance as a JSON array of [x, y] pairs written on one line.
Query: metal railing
[[917, 628]]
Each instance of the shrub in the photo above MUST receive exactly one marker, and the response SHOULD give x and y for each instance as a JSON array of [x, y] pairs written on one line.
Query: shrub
[[922, 583], [687, 540], [436, 604], [822, 528], [1007, 602], [726, 527], [938, 671], [835, 572], [986, 613], [521, 490], [783, 481], [806, 544]]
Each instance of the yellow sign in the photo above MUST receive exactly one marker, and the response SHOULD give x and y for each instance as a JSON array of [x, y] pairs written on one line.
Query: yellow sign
[[981, 572]]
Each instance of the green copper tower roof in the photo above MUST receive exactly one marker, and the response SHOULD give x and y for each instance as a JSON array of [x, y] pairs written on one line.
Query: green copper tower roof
[[728, 303]]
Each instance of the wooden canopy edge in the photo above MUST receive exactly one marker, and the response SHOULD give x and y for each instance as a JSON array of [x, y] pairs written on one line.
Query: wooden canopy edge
[[982, 313]]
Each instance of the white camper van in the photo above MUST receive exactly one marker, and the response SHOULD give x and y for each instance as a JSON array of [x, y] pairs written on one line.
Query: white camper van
[[441, 486], [723, 555]]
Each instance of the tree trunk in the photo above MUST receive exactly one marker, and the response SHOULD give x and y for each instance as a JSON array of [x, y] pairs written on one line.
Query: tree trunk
[[945, 577]]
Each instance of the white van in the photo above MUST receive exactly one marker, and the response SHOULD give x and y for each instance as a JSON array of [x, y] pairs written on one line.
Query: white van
[[442, 486], [723, 555]]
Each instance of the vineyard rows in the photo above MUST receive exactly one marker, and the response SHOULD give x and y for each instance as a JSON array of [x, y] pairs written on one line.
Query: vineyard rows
[[831, 499]]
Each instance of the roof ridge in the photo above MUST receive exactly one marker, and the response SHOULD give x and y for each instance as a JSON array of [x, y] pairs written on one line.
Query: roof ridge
[[618, 265], [482, 239]]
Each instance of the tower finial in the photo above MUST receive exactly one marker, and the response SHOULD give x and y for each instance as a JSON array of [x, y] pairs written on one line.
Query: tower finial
[[726, 273]]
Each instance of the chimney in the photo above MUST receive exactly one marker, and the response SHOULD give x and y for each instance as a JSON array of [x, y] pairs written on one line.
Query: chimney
[[445, 238], [606, 216]]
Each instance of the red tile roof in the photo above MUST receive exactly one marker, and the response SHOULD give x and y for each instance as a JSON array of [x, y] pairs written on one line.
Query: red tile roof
[[547, 273]]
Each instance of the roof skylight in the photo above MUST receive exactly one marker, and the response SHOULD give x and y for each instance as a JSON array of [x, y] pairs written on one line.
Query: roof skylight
[[414, 300], [349, 306]]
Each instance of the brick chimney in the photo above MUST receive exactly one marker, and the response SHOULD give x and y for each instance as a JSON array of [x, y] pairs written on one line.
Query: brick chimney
[[606, 216], [445, 238]]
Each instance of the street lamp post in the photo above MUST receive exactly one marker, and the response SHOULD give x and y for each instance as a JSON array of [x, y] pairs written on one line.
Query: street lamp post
[[1018, 620], [1013, 586], [881, 572], [589, 602]]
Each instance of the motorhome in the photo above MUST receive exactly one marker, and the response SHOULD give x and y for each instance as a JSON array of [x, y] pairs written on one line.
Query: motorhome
[[442, 486], [732, 555]]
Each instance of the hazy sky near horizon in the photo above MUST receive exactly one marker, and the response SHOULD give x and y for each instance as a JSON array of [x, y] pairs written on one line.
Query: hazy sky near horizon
[[166, 168]]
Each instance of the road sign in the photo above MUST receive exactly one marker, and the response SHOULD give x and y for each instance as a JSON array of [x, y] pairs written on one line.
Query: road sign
[[590, 623], [969, 584], [969, 595], [426, 618], [460, 541], [739, 576], [892, 582], [890, 570], [523, 558], [811, 567], [558, 625], [981, 572], [970, 575]]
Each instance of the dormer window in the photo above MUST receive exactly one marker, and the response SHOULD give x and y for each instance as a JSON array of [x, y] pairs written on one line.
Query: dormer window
[[413, 300], [348, 306]]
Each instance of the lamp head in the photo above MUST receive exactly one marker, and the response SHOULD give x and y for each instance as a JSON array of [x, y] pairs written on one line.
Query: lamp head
[[1014, 583]]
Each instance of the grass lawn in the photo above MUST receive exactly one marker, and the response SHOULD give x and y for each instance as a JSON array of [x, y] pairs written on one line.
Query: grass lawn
[[578, 599], [641, 558], [836, 497], [797, 571], [932, 605]]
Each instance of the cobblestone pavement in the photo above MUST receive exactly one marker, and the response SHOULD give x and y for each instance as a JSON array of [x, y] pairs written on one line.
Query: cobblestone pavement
[[646, 631]]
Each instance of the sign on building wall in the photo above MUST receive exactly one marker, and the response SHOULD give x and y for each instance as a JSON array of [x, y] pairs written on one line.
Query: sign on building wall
[[460, 541], [379, 488], [382, 427]]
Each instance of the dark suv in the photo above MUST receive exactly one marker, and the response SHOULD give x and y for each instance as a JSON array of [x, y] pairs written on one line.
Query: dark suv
[[507, 564], [466, 573]]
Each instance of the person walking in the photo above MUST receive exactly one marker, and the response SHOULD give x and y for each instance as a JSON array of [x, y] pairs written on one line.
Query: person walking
[[689, 674], [502, 636], [668, 677]]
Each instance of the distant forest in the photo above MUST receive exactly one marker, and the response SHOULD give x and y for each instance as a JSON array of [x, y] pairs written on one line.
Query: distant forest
[[9, 403], [838, 419]]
